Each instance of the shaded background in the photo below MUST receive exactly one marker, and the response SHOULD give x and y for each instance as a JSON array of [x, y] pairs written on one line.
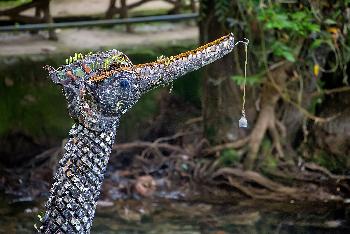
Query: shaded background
[[219, 179]]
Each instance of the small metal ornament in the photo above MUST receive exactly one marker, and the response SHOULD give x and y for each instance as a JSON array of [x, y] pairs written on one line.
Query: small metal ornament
[[243, 122]]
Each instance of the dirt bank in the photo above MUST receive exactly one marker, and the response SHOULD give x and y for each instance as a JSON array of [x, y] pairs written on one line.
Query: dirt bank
[[94, 38]]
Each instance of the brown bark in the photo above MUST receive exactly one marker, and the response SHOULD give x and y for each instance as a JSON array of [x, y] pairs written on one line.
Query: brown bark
[[112, 9], [124, 14], [48, 19], [41, 6], [193, 6], [266, 120]]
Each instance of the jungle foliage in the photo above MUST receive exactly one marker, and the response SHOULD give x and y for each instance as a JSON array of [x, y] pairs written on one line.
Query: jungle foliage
[[298, 57]]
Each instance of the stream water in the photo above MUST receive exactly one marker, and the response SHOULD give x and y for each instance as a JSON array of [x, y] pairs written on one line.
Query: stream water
[[165, 216]]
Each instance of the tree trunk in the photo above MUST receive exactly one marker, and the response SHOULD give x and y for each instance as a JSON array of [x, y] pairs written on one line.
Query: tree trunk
[[221, 97], [267, 120], [48, 19], [124, 14], [111, 9]]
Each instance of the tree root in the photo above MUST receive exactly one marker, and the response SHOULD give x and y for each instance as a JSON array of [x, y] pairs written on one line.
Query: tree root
[[266, 123], [249, 183], [142, 144], [325, 171], [254, 177], [309, 181], [231, 145]]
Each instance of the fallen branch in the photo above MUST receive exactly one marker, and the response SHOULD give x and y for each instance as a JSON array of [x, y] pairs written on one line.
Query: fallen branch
[[143, 144], [175, 136], [331, 91]]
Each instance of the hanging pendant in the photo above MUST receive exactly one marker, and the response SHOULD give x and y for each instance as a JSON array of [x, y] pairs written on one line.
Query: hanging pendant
[[243, 123]]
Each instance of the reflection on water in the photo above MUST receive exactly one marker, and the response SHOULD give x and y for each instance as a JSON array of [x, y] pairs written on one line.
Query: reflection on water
[[138, 217]]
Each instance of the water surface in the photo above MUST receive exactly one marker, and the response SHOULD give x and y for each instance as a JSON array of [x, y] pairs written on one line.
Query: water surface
[[156, 217]]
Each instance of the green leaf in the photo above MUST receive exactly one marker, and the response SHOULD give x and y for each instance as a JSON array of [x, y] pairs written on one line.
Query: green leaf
[[229, 157], [251, 80], [313, 28], [330, 22], [289, 56], [298, 23], [299, 16], [316, 43], [282, 50]]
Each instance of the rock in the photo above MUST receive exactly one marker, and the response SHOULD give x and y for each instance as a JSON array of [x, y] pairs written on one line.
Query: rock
[[145, 186], [333, 223], [30, 211], [102, 203], [130, 215]]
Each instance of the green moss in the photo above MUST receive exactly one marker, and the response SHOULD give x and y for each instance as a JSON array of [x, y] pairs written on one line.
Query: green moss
[[12, 3], [29, 101], [269, 161], [229, 157], [141, 13], [210, 133], [332, 163]]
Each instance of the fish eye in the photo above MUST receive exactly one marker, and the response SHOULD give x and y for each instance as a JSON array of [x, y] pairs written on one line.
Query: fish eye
[[124, 83]]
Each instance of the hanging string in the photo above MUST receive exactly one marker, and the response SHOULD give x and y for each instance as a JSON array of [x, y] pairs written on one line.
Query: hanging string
[[243, 123]]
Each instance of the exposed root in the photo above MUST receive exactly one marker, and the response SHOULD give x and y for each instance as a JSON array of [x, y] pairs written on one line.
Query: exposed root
[[254, 177], [281, 128], [243, 189], [231, 145], [174, 158], [325, 171], [266, 123], [182, 161], [276, 138], [147, 145]]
